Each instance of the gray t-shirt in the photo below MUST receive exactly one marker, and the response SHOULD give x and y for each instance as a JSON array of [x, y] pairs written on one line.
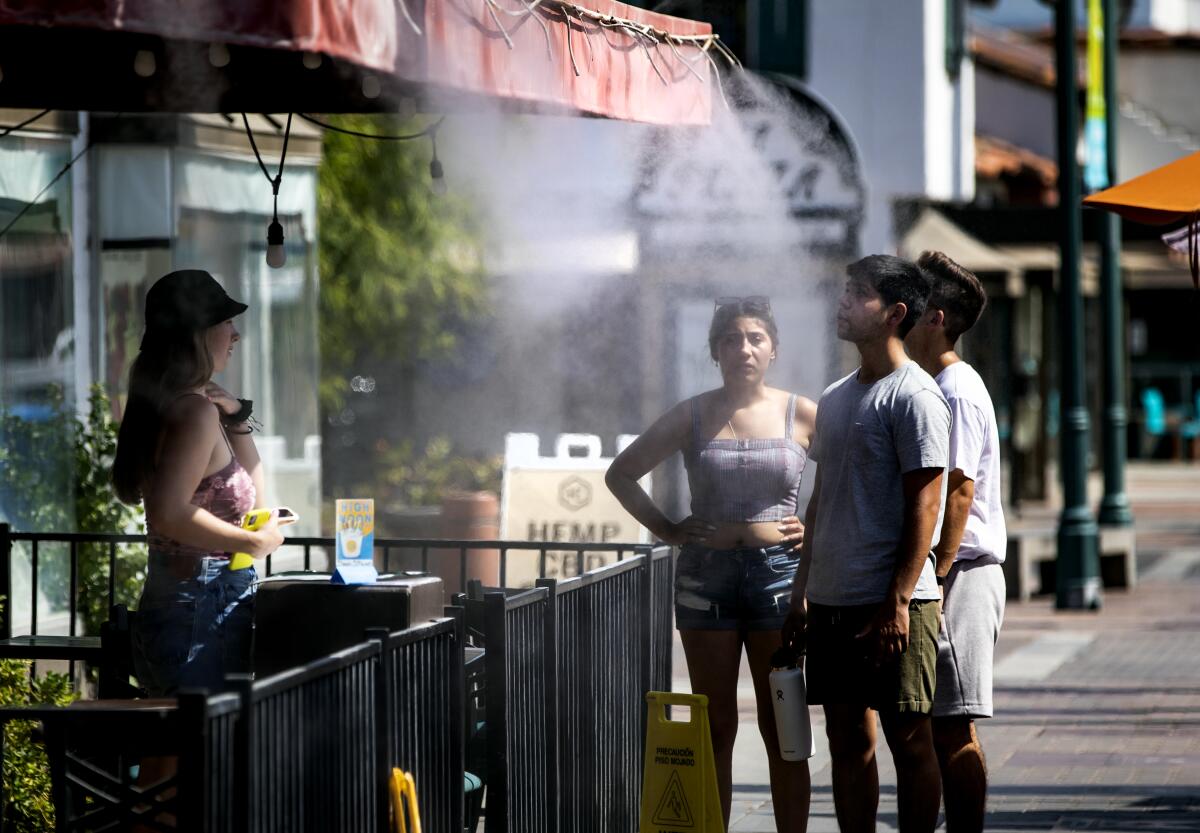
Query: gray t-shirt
[[867, 436]]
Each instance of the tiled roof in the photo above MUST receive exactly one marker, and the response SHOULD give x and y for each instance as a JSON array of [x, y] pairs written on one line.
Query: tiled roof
[[995, 158]]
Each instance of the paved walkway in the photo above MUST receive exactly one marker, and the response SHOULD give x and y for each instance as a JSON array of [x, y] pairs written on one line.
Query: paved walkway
[[1098, 714]]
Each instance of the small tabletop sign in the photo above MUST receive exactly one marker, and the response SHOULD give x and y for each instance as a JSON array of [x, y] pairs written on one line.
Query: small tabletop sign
[[355, 542]]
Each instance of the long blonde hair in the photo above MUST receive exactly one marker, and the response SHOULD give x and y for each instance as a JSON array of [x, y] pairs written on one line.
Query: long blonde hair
[[168, 365]]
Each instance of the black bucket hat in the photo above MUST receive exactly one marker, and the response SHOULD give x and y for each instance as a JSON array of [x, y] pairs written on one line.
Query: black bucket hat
[[190, 300]]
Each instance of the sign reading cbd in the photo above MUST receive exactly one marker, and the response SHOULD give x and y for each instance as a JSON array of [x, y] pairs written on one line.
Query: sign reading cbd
[[561, 498]]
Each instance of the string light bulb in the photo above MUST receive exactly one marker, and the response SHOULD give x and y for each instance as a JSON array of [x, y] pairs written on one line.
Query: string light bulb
[[276, 253], [144, 63]]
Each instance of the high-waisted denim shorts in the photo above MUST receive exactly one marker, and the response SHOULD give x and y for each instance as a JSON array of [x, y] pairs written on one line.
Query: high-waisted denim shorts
[[193, 624], [748, 588]]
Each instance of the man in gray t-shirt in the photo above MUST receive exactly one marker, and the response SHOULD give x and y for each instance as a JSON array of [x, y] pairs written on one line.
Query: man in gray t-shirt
[[865, 601], [874, 434]]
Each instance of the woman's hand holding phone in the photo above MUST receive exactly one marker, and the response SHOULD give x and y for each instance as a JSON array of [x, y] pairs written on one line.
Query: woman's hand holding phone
[[267, 538]]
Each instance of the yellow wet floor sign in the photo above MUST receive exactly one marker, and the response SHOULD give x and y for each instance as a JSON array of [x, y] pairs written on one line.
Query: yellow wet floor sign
[[679, 789]]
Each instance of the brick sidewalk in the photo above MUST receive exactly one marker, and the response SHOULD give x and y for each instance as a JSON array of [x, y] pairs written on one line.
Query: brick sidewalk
[[1098, 714]]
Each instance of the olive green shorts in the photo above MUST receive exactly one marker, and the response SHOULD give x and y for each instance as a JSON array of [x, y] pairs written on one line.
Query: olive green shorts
[[839, 669]]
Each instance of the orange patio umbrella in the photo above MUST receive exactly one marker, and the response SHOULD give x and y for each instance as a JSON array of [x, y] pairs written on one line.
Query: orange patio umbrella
[[1169, 194]]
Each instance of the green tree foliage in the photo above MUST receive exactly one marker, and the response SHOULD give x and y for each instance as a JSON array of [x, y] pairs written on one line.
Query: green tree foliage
[[55, 476], [25, 770], [97, 509], [401, 268], [407, 478], [36, 467]]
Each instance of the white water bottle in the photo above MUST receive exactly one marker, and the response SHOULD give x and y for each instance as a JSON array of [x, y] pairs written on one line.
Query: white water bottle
[[790, 701]]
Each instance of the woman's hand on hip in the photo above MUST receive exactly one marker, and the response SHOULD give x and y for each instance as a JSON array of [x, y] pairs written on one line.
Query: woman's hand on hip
[[792, 530], [691, 530]]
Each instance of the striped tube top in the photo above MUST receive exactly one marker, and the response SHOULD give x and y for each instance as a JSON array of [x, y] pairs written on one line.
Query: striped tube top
[[744, 481]]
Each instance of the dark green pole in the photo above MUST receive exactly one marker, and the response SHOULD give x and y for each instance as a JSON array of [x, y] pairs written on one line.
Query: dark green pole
[[1114, 507], [1077, 570]]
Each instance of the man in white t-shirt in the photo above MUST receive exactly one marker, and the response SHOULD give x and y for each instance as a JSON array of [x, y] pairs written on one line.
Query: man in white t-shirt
[[973, 540]]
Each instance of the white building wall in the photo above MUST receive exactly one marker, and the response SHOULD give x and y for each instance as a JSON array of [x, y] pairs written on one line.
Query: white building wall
[[1172, 16], [882, 67], [1015, 111], [1177, 17]]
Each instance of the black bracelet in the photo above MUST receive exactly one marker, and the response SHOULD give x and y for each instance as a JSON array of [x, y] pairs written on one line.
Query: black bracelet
[[241, 415], [229, 430], [941, 580]]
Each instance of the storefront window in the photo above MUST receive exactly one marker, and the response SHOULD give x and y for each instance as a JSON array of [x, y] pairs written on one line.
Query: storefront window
[[206, 211], [125, 275], [37, 368], [36, 332]]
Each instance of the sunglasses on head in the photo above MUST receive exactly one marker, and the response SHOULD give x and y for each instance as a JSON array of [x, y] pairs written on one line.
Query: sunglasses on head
[[742, 300]]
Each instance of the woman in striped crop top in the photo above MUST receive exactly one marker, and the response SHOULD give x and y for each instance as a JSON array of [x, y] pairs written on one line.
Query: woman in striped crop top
[[744, 446], [186, 451]]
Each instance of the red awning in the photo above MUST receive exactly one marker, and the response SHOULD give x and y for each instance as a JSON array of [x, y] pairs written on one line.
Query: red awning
[[603, 58]]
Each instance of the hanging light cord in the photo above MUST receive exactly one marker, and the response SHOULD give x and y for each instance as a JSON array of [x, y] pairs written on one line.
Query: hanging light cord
[[393, 137], [278, 178], [49, 185]]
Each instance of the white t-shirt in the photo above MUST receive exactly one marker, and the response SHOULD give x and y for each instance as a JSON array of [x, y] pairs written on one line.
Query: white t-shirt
[[975, 449]]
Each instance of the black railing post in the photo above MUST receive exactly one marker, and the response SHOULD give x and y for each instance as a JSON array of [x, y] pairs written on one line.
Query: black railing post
[[647, 622], [3, 722], [550, 642], [384, 715], [5, 585], [496, 663], [458, 712], [244, 763], [585, 644], [195, 767]]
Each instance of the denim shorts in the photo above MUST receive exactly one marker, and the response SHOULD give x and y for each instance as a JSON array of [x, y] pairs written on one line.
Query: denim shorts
[[748, 588], [189, 632]]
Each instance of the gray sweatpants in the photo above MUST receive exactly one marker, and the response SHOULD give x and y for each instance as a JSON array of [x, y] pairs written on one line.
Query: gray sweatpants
[[972, 614]]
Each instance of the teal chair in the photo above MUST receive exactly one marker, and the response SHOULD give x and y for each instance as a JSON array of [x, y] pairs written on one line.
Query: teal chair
[[1154, 420], [1189, 431]]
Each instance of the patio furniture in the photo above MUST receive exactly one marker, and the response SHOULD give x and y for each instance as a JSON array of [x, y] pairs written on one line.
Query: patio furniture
[[94, 748], [1154, 421], [299, 617], [1189, 431]]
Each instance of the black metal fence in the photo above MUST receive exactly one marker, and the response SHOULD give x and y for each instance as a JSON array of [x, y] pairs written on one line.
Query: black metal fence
[[520, 716], [423, 725], [306, 747], [395, 553], [568, 666], [309, 749]]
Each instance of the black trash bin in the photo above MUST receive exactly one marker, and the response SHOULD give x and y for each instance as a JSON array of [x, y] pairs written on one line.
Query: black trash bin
[[302, 617]]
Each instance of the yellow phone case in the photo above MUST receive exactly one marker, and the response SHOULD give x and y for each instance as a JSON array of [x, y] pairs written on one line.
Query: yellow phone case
[[254, 519]]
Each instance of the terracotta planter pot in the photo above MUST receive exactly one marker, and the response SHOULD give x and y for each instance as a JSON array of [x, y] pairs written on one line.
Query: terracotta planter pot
[[471, 516]]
